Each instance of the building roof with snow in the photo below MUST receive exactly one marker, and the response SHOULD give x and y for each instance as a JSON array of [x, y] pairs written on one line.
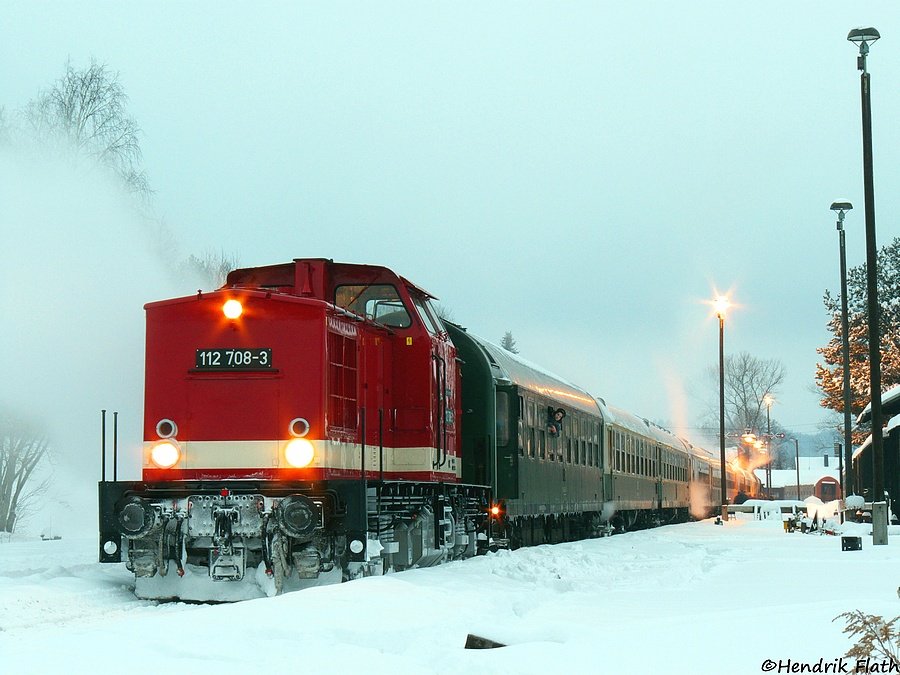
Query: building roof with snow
[[812, 469], [890, 405]]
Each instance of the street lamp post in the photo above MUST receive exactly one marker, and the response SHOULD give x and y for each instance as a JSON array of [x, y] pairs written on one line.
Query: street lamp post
[[847, 481], [721, 305], [797, 464], [862, 37]]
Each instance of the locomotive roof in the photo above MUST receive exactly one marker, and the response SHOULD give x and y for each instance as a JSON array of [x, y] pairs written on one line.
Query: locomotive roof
[[315, 276], [513, 368]]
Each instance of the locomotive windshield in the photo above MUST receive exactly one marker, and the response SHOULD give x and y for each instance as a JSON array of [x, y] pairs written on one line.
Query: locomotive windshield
[[380, 302]]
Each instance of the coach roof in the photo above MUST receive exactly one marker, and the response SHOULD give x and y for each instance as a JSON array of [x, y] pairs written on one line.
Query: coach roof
[[507, 367]]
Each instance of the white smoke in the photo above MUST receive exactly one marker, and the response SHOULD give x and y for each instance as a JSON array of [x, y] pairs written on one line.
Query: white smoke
[[75, 270]]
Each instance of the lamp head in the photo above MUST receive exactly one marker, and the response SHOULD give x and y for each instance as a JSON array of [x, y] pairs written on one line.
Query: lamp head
[[721, 304], [863, 35], [840, 207]]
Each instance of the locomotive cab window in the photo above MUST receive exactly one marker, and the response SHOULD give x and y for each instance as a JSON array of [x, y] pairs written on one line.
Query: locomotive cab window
[[426, 317], [435, 316], [379, 302]]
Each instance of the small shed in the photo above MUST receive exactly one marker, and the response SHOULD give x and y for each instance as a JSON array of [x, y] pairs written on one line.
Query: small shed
[[827, 489]]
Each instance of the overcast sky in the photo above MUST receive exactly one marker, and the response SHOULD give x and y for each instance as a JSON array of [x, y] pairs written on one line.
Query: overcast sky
[[584, 175]]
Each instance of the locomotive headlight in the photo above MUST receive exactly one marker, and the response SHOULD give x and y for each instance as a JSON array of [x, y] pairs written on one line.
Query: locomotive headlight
[[299, 453], [232, 309], [165, 454]]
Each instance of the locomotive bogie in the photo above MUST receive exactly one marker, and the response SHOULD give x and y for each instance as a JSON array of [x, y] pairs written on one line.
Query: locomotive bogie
[[264, 544]]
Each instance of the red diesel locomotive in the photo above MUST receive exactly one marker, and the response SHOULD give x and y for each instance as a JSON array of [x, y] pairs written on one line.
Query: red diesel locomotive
[[300, 423]]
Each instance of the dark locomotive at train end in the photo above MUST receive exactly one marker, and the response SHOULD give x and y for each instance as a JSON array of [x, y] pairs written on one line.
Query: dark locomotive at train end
[[313, 422]]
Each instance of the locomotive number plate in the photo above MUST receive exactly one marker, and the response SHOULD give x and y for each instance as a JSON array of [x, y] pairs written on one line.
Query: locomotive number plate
[[233, 359]]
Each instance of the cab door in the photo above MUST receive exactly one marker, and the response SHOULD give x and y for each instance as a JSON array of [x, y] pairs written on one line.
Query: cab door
[[445, 385]]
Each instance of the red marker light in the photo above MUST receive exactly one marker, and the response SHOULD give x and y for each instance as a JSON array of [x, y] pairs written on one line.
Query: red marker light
[[224, 492]]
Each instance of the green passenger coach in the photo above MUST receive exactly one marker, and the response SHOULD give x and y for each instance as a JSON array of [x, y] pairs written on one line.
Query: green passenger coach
[[546, 474]]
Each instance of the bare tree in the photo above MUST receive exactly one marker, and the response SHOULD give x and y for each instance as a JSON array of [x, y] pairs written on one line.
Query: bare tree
[[748, 381], [444, 312], [84, 113], [509, 342], [22, 449], [210, 268]]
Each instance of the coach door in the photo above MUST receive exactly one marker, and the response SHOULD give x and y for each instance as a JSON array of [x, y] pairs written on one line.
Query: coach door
[[506, 407]]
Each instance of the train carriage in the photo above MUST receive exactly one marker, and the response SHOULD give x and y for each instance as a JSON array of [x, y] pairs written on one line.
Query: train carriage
[[549, 483], [649, 473], [705, 495]]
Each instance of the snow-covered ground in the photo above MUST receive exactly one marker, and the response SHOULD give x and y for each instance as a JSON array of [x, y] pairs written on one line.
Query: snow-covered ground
[[694, 598]]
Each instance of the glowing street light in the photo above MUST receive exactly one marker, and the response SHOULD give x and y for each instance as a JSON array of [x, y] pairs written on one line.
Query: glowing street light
[[721, 305]]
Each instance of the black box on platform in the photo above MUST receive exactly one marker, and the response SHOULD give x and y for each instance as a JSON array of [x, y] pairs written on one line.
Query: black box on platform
[[851, 543]]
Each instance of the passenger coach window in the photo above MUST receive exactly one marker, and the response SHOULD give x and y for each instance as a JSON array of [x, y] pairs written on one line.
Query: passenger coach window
[[520, 424], [502, 418], [380, 302]]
